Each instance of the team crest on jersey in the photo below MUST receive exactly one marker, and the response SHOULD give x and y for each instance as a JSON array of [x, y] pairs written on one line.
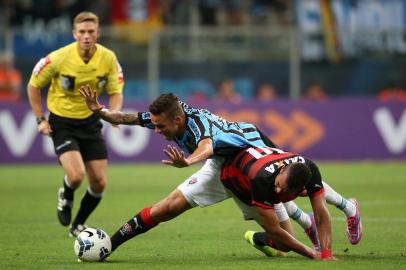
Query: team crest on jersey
[[193, 181], [67, 82], [42, 63]]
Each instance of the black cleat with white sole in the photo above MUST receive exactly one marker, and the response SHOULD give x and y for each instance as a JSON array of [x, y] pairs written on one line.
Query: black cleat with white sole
[[64, 208]]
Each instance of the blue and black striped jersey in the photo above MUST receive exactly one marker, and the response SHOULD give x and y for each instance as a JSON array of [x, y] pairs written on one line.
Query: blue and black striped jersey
[[228, 137]]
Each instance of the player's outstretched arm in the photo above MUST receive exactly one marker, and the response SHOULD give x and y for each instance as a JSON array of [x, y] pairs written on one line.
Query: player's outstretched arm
[[114, 117], [323, 223], [283, 240], [177, 157]]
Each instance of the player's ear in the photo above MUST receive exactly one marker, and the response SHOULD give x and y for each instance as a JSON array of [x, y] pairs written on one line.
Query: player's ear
[[74, 33], [178, 119]]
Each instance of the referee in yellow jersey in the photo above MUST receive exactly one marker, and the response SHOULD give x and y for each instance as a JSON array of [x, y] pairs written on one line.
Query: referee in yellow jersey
[[74, 129]]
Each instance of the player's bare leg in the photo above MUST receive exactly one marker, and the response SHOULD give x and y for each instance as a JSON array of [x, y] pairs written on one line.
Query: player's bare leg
[[97, 175], [74, 168]]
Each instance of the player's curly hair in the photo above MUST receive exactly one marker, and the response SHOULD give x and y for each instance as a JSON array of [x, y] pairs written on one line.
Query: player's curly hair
[[168, 104], [298, 176]]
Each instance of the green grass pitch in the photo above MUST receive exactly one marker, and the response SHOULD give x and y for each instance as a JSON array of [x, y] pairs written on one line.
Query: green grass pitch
[[202, 238]]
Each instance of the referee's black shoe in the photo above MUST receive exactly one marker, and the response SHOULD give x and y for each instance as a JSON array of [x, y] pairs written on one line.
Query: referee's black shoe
[[64, 209]]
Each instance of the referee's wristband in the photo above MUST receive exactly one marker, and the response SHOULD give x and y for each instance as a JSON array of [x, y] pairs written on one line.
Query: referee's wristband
[[40, 119], [326, 254]]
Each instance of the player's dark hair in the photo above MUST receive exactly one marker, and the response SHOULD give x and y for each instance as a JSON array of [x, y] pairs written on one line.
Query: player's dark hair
[[166, 103], [298, 175]]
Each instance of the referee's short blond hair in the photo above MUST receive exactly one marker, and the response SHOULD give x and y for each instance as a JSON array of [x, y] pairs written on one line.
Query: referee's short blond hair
[[85, 16]]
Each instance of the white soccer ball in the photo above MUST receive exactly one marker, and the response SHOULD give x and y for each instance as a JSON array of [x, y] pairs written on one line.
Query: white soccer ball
[[92, 245]]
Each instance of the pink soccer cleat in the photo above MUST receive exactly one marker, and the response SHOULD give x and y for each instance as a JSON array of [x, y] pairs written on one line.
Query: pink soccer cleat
[[354, 225], [312, 234]]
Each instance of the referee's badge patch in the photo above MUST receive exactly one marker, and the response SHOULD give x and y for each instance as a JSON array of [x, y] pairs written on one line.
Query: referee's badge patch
[[67, 82], [102, 82]]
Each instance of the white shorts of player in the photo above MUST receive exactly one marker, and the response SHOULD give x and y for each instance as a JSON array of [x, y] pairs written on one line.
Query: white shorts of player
[[204, 188]]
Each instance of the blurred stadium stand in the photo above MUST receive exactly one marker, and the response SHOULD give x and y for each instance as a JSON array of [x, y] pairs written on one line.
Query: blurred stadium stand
[[352, 48]]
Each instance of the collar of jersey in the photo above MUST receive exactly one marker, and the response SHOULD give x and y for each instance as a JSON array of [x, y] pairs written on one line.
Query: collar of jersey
[[76, 53]]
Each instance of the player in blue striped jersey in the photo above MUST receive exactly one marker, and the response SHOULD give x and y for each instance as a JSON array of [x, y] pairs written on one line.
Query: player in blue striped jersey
[[201, 134], [227, 137]]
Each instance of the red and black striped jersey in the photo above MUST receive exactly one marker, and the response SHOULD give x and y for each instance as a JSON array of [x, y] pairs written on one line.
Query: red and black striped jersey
[[251, 175]]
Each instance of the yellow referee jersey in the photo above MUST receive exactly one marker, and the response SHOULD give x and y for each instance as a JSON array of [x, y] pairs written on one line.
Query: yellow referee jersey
[[66, 72]]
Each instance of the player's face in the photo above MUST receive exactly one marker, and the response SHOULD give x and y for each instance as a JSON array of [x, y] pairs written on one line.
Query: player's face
[[281, 186], [86, 34], [165, 125]]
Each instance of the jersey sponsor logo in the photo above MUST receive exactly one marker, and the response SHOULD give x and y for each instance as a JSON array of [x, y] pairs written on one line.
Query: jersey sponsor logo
[[120, 72], [42, 63], [67, 82], [276, 165]]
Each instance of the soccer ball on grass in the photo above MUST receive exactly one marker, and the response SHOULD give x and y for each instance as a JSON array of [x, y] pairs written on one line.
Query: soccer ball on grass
[[92, 245]]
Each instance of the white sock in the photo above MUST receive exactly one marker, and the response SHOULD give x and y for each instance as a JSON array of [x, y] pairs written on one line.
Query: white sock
[[302, 218], [94, 194], [281, 212], [332, 197], [66, 180]]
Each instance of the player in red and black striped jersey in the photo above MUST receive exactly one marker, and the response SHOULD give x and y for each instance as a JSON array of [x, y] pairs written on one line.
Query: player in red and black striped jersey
[[261, 177], [251, 176]]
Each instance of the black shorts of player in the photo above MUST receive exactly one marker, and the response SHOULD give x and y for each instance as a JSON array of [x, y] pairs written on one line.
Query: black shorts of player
[[83, 135]]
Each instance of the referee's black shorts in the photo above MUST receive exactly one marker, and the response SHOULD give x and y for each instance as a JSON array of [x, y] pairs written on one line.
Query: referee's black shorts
[[83, 135]]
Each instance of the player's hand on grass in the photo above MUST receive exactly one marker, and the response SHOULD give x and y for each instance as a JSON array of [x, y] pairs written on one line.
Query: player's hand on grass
[[176, 157], [90, 97], [326, 256]]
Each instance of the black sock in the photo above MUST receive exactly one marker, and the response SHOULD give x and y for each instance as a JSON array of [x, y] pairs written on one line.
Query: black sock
[[261, 239], [139, 224], [68, 191], [87, 205]]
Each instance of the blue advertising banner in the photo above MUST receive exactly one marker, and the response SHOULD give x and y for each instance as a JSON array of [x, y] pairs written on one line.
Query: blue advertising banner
[[344, 129]]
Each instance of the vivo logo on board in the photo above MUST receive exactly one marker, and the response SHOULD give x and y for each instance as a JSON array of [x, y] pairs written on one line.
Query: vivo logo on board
[[19, 137], [392, 133]]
